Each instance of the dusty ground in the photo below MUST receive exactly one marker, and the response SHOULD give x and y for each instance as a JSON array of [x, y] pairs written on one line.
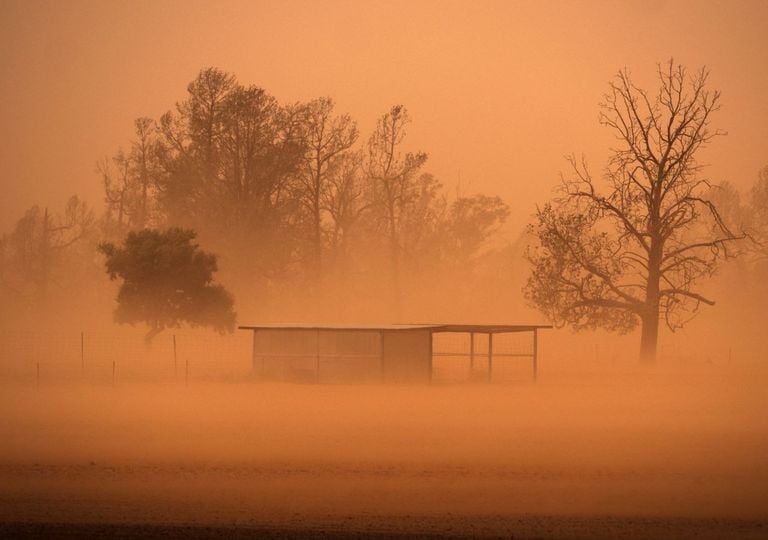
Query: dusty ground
[[639, 455]]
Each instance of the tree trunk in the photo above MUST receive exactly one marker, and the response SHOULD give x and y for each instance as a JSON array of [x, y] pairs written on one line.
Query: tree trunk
[[394, 253], [149, 336], [45, 260], [317, 244], [650, 329], [649, 337]]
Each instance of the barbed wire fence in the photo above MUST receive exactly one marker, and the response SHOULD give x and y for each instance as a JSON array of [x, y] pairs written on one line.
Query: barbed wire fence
[[114, 357], [42, 356]]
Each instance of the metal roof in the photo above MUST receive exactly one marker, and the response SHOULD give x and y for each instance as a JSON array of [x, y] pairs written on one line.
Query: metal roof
[[490, 328], [478, 328]]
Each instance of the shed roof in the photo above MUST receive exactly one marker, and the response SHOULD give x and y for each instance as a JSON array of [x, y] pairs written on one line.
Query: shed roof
[[479, 328]]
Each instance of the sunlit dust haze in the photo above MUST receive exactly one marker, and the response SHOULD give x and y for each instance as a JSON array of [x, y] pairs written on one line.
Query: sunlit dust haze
[[499, 91], [384, 269]]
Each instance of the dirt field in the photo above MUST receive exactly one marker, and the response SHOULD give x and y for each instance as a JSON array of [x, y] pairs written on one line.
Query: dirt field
[[648, 454]]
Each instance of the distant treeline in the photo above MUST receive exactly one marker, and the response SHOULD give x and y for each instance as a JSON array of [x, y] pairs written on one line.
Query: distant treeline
[[310, 220], [299, 207]]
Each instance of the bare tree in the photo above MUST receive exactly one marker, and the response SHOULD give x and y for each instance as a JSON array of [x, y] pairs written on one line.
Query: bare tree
[[392, 175], [758, 204], [634, 252], [144, 158], [130, 181], [326, 138], [118, 187], [344, 200], [35, 245], [471, 222], [422, 219]]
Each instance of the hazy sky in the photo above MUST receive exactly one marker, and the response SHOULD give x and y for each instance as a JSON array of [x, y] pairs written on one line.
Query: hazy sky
[[499, 92]]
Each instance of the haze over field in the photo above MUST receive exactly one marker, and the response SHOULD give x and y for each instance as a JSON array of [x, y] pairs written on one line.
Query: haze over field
[[499, 91], [174, 169]]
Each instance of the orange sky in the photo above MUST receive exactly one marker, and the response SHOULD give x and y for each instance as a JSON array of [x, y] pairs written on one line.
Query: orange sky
[[499, 91]]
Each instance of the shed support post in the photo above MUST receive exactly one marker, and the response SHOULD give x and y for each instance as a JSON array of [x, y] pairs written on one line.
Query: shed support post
[[431, 358], [490, 356], [255, 355], [471, 353], [535, 353], [317, 355]]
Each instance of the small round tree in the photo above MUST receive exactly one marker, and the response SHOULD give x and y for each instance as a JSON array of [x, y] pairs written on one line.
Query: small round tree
[[167, 281]]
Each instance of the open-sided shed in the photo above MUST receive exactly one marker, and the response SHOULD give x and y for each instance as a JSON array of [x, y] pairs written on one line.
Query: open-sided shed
[[387, 353]]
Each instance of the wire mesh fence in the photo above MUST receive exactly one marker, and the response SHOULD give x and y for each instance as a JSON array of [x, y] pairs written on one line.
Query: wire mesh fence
[[312, 356]]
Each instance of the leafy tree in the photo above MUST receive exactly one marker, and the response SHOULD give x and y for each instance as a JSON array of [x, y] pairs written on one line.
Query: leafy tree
[[633, 253], [229, 153], [167, 281]]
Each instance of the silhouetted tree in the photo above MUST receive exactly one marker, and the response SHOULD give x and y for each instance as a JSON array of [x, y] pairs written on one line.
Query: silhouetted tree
[[443, 241], [758, 204], [392, 175], [633, 253], [118, 193], [326, 139], [229, 154], [38, 243], [421, 224], [727, 199], [471, 222], [344, 200], [130, 182], [285, 194], [167, 280]]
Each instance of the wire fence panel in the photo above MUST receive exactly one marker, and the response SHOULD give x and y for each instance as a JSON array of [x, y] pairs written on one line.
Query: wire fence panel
[[467, 357]]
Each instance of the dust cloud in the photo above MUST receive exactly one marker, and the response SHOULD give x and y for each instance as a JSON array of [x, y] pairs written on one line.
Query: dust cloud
[[449, 124], [621, 443]]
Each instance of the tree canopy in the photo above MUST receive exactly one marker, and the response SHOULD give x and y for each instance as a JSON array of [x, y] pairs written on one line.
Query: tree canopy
[[290, 194], [632, 249], [167, 280]]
